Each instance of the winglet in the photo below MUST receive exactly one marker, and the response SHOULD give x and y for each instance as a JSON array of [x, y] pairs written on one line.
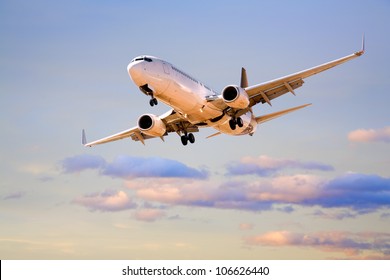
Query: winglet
[[84, 138], [361, 52]]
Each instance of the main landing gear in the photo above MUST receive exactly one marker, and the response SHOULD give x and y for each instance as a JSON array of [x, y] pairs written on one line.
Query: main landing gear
[[234, 122], [187, 137]]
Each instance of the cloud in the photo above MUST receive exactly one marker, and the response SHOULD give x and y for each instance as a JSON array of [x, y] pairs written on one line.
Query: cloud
[[15, 195], [337, 214], [107, 201], [370, 135], [245, 226], [385, 215], [136, 167], [286, 209], [170, 182], [351, 244], [287, 189], [359, 193], [255, 196], [80, 163], [149, 215], [265, 166], [128, 167], [363, 193], [175, 217]]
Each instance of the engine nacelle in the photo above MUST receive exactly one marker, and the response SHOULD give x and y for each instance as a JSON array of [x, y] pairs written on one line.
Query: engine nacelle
[[235, 97], [152, 125]]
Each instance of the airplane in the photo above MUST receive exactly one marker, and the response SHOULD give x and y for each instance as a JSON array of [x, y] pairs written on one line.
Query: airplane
[[195, 105]]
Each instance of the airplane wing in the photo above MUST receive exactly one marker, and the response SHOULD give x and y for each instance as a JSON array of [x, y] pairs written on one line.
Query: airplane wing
[[267, 91], [172, 120]]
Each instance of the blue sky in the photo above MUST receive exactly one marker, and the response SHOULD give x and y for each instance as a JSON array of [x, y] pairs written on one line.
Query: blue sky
[[311, 185]]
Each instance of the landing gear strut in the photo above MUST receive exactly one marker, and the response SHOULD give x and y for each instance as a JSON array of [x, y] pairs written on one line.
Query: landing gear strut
[[187, 137], [234, 122]]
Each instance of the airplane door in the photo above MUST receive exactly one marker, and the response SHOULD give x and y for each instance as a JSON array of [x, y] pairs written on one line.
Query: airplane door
[[166, 68]]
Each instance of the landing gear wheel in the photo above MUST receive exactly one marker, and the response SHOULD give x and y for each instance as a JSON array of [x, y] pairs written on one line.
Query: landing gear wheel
[[187, 137], [153, 101], [184, 140], [239, 122], [232, 124], [191, 138]]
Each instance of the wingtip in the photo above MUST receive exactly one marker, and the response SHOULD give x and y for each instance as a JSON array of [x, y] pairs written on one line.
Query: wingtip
[[363, 49]]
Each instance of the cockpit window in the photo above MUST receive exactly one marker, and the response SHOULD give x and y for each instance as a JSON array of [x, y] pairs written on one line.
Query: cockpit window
[[142, 58]]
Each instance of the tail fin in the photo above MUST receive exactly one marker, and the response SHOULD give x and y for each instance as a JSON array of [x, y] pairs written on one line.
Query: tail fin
[[244, 78], [83, 138]]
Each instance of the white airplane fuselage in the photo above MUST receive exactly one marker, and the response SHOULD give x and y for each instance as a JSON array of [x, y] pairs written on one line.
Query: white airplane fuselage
[[186, 95]]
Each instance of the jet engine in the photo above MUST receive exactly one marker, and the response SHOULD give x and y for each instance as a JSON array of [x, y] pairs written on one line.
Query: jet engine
[[152, 125], [235, 97]]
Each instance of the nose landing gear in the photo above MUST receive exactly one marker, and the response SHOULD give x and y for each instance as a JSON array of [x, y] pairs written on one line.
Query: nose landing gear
[[148, 91], [153, 101]]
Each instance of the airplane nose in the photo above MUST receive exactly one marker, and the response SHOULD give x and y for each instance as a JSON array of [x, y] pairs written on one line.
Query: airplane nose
[[135, 70]]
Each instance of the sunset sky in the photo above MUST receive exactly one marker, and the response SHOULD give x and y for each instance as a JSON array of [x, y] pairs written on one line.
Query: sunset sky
[[314, 184]]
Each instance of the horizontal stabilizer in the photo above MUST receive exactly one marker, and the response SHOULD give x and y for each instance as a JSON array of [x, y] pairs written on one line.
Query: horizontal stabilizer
[[215, 134], [265, 118]]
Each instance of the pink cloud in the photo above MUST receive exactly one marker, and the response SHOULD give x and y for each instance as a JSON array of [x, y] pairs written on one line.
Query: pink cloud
[[370, 135], [353, 245], [246, 226], [287, 189], [359, 193], [107, 201], [148, 215], [259, 195], [172, 190], [264, 165]]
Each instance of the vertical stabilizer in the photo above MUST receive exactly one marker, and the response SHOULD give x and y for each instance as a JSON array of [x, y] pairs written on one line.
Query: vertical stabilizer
[[84, 138], [244, 79]]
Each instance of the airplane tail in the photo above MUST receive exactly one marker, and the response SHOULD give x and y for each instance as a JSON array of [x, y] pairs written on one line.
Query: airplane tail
[[84, 138], [266, 118], [244, 78]]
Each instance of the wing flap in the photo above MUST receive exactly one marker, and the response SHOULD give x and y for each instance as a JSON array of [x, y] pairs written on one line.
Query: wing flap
[[262, 96]]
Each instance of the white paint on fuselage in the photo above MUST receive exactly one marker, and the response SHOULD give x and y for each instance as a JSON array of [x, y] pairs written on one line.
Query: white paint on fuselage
[[184, 94]]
